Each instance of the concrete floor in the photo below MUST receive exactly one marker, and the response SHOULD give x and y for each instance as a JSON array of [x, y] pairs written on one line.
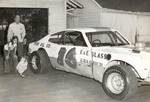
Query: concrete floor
[[58, 86]]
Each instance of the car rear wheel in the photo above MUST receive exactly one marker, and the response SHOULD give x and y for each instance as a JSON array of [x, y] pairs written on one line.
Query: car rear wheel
[[119, 82], [39, 62]]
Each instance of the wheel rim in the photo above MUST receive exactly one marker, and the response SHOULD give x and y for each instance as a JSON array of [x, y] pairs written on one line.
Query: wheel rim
[[34, 62], [115, 83]]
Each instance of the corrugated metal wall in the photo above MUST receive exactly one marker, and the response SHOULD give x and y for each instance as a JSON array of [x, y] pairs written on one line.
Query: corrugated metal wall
[[86, 17], [144, 28], [128, 23], [57, 11], [123, 22]]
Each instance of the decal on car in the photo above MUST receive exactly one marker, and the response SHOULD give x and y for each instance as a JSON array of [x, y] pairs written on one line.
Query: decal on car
[[61, 55], [36, 43], [101, 55], [48, 45], [96, 54], [42, 44], [70, 58], [82, 52]]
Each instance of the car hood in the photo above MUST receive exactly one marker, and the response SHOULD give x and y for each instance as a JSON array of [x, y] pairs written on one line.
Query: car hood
[[126, 50], [142, 53], [134, 48]]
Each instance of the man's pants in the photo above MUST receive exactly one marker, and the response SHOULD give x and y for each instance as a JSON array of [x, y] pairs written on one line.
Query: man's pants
[[20, 50], [2, 50]]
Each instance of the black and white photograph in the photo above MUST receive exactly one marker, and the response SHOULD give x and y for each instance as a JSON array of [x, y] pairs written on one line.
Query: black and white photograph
[[74, 51]]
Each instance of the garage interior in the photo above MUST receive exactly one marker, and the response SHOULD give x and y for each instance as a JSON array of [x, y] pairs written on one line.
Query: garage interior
[[34, 19], [50, 16]]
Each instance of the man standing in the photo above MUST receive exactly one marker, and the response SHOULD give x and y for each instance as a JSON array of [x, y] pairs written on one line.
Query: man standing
[[17, 29]]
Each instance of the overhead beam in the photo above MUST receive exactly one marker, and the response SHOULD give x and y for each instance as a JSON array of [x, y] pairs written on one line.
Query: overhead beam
[[71, 4], [71, 14], [76, 3]]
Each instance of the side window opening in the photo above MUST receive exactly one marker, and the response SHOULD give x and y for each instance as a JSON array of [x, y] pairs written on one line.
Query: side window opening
[[105, 38], [56, 38], [70, 38], [74, 38]]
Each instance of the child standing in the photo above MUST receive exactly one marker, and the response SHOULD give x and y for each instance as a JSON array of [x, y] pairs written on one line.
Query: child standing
[[22, 65], [11, 59]]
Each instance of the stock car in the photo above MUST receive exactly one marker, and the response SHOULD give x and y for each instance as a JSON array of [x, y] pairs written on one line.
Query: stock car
[[102, 54]]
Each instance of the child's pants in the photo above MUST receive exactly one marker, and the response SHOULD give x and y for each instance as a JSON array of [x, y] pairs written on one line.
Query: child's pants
[[11, 63]]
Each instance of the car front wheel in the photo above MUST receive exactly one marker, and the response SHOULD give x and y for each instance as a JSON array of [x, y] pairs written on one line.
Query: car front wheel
[[39, 62], [119, 82]]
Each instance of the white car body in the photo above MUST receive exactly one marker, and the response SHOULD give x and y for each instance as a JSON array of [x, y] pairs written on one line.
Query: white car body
[[92, 61]]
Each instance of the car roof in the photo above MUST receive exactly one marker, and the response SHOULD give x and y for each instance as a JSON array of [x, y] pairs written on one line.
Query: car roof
[[86, 30], [91, 29]]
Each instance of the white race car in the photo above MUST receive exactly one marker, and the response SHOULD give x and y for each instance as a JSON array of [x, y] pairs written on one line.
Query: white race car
[[99, 53]]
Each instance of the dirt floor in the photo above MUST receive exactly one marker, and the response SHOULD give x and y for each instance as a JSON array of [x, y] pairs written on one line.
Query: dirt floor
[[58, 86]]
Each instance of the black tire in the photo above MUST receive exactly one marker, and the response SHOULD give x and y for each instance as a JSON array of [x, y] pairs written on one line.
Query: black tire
[[128, 77], [42, 62]]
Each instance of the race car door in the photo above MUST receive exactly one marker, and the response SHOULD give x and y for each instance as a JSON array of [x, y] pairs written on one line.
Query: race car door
[[101, 46], [77, 56]]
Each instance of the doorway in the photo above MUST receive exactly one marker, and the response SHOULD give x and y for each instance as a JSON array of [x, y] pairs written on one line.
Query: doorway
[[34, 19]]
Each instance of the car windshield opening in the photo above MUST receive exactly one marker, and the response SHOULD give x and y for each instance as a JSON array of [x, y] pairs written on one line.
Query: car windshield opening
[[106, 38]]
